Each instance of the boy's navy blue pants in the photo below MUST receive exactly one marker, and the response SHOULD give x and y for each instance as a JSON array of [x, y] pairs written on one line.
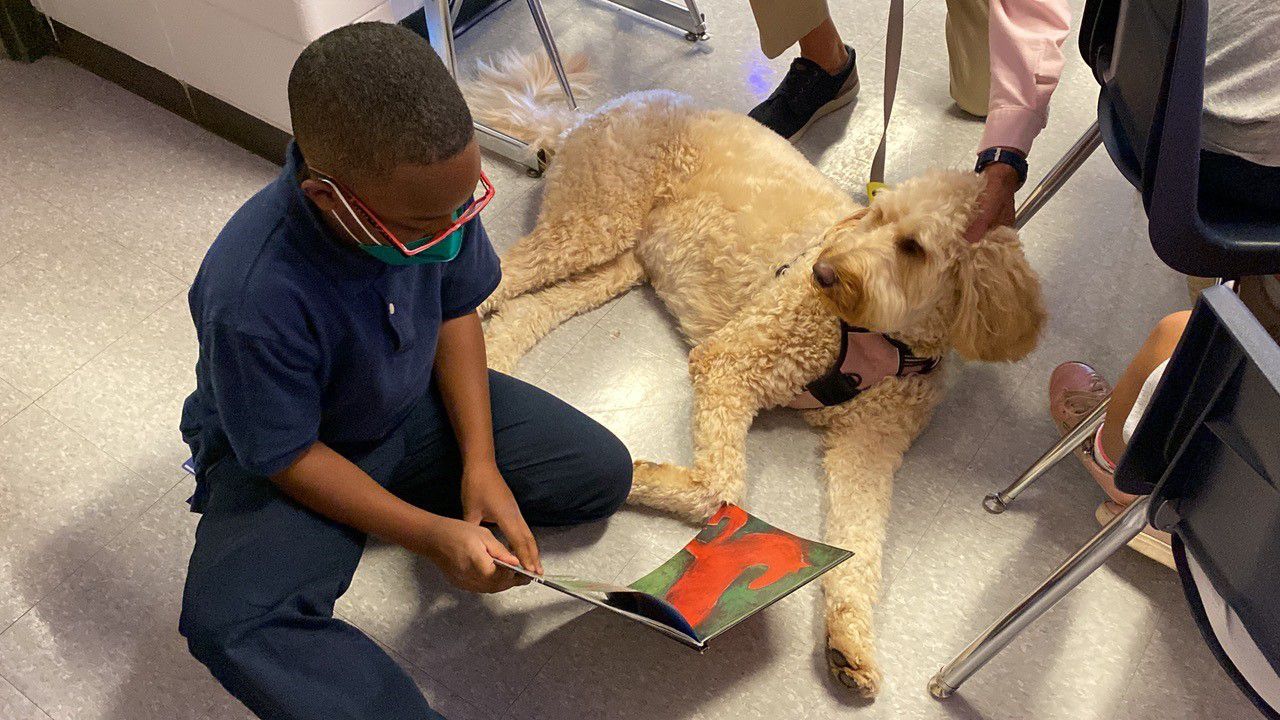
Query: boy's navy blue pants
[[265, 572]]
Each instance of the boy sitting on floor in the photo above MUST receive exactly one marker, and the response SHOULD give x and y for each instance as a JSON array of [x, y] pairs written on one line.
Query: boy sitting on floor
[[341, 389]]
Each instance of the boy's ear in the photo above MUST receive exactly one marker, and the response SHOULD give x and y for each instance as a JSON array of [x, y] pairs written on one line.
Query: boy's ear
[[320, 193], [999, 308]]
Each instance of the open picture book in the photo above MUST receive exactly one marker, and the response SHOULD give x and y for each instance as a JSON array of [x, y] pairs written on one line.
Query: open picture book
[[736, 566]]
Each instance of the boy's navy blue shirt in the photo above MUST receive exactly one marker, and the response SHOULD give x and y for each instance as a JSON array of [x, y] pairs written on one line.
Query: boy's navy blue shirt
[[305, 339]]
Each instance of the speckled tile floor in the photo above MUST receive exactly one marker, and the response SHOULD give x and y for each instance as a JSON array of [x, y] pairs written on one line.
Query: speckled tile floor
[[107, 205]]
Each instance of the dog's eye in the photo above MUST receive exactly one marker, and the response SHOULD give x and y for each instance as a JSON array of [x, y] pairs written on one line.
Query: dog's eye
[[910, 247]]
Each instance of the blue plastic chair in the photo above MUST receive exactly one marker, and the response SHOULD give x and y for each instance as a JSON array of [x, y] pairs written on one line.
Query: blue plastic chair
[[1207, 454], [1160, 133], [1152, 132]]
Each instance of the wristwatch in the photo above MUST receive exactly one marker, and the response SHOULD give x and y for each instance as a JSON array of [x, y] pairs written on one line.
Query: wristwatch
[[1012, 158]]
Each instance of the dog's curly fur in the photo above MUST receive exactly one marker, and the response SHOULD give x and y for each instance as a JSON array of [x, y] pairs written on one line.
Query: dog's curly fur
[[707, 206]]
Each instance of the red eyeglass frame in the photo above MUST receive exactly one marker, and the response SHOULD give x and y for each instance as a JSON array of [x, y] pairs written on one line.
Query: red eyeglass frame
[[467, 215]]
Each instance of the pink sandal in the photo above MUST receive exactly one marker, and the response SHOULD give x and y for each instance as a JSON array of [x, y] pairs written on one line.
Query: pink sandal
[[1075, 389]]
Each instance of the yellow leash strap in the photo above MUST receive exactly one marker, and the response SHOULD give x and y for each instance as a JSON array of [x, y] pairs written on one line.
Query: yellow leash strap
[[892, 62]]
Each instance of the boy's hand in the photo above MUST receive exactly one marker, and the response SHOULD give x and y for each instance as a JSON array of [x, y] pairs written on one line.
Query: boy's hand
[[465, 552], [486, 498], [331, 485]]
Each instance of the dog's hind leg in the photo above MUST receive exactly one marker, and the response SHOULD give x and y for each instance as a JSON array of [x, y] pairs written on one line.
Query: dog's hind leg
[[526, 319], [565, 243], [599, 193], [863, 450]]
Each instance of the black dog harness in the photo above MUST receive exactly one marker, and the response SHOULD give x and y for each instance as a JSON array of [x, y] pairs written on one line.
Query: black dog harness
[[866, 358]]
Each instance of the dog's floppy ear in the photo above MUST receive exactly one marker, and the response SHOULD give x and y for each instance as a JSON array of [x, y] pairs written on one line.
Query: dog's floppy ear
[[852, 220], [999, 309]]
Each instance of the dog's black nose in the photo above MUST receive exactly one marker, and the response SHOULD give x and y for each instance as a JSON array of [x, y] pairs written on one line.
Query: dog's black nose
[[824, 274]]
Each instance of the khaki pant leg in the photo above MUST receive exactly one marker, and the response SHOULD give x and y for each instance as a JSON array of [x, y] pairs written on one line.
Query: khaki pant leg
[[968, 52], [783, 22]]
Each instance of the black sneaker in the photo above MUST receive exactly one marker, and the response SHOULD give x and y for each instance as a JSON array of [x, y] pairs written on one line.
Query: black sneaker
[[807, 93]]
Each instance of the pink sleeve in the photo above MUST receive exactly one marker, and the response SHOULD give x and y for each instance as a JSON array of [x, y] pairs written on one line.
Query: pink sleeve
[[1025, 39]]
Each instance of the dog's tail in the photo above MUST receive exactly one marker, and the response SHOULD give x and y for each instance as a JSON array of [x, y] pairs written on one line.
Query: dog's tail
[[519, 95]]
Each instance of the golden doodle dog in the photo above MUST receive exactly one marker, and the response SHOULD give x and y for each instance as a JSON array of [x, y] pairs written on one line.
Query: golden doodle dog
[[788, 292]]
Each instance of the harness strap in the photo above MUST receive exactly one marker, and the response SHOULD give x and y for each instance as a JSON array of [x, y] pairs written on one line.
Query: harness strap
[[892, 62], [911, 364], [834, 386], [840, 384]]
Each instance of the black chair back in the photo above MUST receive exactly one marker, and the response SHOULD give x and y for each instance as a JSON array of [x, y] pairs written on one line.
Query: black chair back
[[1148, 57], [1208, 452]]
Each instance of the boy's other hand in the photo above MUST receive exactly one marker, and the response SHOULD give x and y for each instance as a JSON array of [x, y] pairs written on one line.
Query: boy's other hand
[[486, 498], [465, 552]]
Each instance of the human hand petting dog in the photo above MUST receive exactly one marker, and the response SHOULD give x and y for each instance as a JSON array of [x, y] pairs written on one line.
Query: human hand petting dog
[[995, 204]]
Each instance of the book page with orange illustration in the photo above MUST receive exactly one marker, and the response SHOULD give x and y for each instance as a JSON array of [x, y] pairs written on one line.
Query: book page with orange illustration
[[736, 566]]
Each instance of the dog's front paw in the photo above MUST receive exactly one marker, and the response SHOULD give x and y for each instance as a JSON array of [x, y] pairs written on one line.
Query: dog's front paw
[[672, 488], [853, 667]]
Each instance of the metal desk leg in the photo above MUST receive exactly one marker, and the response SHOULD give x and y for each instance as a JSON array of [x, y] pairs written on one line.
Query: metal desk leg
[[1058, 175], [440, 28], [553, 52], [1123, 528], [998, 502], [687, 18]]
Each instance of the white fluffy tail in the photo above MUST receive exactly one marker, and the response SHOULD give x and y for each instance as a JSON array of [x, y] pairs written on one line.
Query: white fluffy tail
[[520, 96]]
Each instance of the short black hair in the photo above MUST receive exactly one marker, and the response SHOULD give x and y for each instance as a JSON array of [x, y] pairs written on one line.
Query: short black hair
[[368, 97]]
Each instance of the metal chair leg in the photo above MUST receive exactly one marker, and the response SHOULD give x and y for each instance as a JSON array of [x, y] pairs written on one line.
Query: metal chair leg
[[439, 18], [687, 18], [699, 31], [1058, 175], [998, 502], [553, 53], [1123, 528]]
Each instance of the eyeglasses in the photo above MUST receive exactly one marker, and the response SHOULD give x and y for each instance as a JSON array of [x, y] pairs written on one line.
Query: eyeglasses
[[359, 210]]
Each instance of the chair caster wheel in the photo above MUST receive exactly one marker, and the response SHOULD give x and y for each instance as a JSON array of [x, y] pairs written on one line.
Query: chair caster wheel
[[695, 37], [993, 504]]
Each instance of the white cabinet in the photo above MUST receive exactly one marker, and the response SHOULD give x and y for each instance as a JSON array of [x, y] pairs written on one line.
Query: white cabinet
[[239, 51]]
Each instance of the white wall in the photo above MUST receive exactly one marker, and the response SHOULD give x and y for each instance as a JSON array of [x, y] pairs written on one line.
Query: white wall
[[239, 51]]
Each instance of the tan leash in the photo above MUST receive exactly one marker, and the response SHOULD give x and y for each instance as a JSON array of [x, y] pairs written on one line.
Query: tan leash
[[892, 62]]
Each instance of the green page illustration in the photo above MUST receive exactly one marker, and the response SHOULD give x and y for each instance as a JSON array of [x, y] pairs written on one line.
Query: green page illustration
[[736, 566]]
